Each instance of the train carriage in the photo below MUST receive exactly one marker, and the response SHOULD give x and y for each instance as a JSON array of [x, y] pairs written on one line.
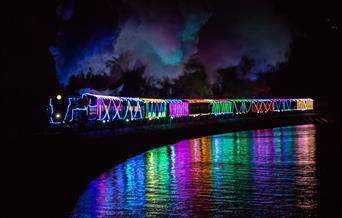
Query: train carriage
[[282, 105], [177, 108], [304, 104], [154, 108], [241, 106], [199, 107], [221, 107], [262, 106]]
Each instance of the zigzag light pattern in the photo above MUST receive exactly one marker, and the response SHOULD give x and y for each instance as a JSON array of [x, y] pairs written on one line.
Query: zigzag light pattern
[[117, 108], [154, 108], [262, 106], [241, 106], [219, 108], [110, 108]]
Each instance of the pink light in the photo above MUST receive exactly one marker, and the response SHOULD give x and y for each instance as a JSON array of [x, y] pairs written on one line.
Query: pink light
[[178, 109]]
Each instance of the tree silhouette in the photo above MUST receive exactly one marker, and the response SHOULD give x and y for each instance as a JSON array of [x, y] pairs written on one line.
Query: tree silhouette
[[193, 83]]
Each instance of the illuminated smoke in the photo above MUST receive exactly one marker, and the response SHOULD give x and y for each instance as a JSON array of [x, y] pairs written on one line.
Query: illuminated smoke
[[91, 58], [162, 42], [164, 35], [249, 29]]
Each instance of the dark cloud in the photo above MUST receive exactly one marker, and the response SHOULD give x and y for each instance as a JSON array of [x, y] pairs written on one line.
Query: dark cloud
[[164, 35]]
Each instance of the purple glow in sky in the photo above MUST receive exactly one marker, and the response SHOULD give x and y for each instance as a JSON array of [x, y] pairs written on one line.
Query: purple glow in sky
[[165, 35]]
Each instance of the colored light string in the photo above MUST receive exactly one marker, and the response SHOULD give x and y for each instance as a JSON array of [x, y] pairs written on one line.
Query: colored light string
[[104, 108]]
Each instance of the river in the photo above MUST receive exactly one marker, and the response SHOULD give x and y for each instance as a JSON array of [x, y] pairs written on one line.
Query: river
[[268, 172]]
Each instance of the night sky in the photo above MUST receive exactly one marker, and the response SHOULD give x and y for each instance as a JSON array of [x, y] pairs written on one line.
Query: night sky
[[158, 49], [163, 35], [292, 45]]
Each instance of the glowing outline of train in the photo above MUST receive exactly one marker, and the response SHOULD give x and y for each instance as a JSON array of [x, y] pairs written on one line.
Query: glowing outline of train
[[93, 108]]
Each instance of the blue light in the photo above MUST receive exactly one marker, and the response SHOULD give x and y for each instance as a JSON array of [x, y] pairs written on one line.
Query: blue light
[[52, 113], [110, 108]]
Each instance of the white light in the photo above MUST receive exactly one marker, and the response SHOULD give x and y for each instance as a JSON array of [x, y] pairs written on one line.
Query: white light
[[58, 115], [59, 97]]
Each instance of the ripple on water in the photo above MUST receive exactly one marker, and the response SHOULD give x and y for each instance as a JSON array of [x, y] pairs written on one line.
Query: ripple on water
[[269, 172]]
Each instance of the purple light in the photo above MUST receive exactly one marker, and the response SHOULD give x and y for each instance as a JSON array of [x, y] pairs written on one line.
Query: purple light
[[178, 109]]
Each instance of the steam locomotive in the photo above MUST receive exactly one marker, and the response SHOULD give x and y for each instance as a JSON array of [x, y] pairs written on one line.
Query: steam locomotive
[[93, 109]]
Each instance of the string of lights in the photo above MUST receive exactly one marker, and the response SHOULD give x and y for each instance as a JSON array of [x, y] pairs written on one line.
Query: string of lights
[[92, 107], [219, 108], [178, 109]]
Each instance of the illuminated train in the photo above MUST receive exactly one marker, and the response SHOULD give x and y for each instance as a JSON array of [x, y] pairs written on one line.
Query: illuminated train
[[91, 109]]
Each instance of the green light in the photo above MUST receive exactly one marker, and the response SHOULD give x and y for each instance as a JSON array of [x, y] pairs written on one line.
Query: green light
[[222, 108], [127, 120]]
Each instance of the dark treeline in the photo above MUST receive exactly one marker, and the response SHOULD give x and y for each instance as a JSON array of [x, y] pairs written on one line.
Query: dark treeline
[[193, 83]]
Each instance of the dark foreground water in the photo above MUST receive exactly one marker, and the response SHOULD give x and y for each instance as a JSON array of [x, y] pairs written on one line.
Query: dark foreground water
[[270, 172]]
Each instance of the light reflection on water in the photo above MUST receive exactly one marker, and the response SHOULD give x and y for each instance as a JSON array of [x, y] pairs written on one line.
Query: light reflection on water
[[268, 172]]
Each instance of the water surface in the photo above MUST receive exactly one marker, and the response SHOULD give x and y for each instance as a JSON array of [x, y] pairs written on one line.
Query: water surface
[[269, 172]]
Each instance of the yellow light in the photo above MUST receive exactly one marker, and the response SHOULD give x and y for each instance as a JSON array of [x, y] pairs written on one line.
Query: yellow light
[[59, 97], [58, 115]]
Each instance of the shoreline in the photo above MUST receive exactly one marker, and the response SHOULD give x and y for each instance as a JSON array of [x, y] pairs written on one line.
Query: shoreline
[[62, 165]]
